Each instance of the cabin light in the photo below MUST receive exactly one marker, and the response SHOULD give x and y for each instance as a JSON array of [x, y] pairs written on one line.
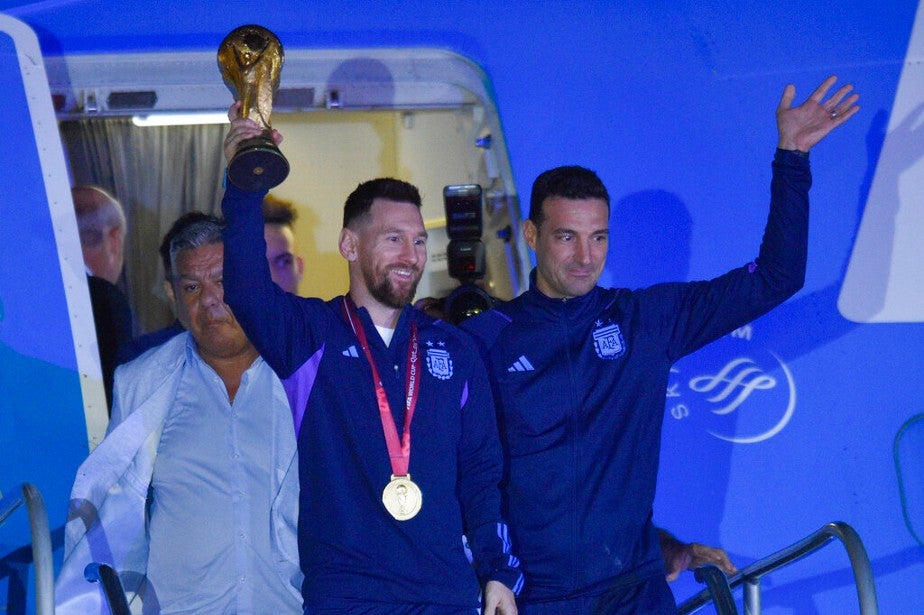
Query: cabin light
[[179, 119]]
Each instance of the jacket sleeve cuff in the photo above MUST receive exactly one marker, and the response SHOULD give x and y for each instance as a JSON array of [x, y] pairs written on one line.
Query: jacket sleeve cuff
[[791, 156], [511, 577]]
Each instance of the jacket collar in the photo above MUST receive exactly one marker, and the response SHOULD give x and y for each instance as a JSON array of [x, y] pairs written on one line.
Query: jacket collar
[[573, 307]]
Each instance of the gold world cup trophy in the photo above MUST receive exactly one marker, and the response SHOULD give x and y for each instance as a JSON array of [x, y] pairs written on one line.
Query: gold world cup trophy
[[250, 59]]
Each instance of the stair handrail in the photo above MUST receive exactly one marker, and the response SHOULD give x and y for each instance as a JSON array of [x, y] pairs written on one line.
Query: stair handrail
[[717, 585], [106, 575], [41, 550], [751, 575]]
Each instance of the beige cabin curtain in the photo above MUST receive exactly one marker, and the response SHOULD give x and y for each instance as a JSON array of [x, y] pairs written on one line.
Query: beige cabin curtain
[[157, 173]]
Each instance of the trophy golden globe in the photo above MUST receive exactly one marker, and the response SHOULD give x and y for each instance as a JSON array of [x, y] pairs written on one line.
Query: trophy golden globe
[[250, 59]]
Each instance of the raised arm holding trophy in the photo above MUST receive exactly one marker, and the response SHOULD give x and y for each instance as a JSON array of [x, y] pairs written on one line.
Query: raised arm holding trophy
[[250, 59]]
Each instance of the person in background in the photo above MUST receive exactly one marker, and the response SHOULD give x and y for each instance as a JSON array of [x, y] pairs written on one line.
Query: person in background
[[101, 224], [286, 266]]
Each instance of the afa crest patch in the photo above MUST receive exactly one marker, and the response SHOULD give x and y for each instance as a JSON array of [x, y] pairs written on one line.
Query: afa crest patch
[[608, 341], [439, 363]]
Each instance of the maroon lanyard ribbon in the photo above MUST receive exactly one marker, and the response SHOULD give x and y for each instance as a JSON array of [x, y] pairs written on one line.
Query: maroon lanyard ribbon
[[399, 451]]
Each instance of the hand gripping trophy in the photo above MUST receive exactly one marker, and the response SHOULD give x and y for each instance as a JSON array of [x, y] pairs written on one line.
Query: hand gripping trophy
[[250, 59]]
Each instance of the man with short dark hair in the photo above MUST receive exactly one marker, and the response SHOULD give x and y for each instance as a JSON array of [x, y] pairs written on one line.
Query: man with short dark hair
[[580, 375], [192, 496], [286, 266], [141, 344], [381, 514]]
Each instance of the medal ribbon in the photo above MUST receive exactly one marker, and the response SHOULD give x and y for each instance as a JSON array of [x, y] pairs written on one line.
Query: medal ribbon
[[399, 450]]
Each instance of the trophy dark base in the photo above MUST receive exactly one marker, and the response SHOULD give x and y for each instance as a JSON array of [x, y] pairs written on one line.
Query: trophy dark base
[[258, 168]]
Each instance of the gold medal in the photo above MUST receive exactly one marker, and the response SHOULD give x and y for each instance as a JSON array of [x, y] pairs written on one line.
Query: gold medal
[[402, 497]]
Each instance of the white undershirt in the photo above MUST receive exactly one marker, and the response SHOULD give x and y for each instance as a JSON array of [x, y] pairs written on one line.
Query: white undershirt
[[385, 333]]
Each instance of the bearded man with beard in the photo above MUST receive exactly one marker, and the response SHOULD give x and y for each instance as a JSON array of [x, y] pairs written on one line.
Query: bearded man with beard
[[381, 522]]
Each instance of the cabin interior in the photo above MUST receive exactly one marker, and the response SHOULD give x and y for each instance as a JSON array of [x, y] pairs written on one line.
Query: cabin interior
[[149, 127]]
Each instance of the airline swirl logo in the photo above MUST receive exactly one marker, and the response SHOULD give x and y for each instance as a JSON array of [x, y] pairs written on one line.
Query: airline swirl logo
[[734, 390]]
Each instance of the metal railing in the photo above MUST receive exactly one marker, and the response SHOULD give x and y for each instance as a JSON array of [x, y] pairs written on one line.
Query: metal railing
[[750, 577], [112, 586], [41, 543], [717, 586]]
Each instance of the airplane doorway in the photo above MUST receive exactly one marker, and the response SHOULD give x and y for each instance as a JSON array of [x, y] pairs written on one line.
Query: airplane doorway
[[424, 116]]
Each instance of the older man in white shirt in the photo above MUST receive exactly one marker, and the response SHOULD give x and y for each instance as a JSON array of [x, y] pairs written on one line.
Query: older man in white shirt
[[193, 495]]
